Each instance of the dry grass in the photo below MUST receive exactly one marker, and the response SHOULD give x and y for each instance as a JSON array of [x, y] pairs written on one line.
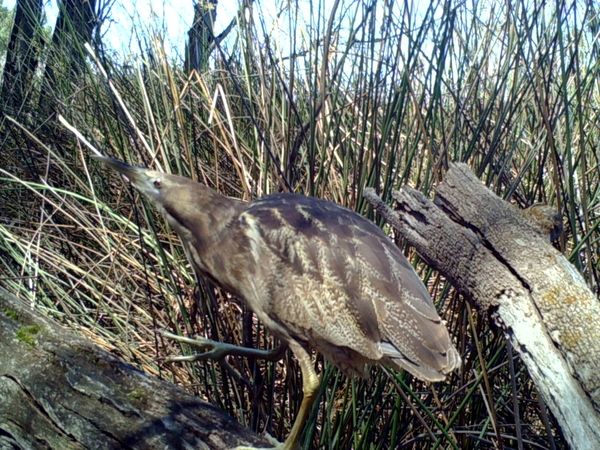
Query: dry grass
[[378, 96]]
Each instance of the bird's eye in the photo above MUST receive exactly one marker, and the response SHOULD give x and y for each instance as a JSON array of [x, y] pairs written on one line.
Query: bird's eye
[[157, 183]]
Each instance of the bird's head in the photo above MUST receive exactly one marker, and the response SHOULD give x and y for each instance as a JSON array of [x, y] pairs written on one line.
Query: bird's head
[[150, 183], [189, 207]]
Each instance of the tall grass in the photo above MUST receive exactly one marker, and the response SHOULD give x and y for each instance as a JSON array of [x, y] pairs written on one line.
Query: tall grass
[[364, 94]]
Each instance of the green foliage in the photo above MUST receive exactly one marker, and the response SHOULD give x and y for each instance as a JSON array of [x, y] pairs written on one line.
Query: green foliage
[[11, 313], [370, 95], [28, 333]]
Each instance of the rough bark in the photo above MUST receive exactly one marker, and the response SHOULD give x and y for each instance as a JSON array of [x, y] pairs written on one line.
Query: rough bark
[[201, 36], [59, 391], [21, 57], [75, 26], [498, 258]]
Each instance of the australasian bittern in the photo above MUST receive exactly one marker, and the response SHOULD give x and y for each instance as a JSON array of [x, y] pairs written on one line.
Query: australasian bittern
[[313, 272]]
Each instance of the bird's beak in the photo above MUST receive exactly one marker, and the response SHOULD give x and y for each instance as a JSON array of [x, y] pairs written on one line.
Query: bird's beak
[[130, 173]]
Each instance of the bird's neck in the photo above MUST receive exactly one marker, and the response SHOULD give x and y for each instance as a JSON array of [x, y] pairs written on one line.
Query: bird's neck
[[201, 217]]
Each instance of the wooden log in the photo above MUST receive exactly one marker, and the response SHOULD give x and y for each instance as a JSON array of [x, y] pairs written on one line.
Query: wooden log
[[59, 391], [498, 258]]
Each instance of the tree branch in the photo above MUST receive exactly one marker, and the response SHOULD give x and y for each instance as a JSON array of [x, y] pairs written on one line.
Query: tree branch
[[496, 256]]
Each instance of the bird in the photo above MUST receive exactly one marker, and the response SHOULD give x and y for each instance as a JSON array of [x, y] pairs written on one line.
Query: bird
[[316, 274]]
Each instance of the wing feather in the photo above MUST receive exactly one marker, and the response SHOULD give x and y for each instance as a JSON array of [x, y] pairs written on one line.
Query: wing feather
[[338, 282]]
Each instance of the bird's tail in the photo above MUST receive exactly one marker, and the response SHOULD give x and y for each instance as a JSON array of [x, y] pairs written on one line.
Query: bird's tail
[[422, 345]]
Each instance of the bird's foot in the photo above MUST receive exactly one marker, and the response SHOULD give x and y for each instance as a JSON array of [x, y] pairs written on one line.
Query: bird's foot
[[274, 442], [219, 350]]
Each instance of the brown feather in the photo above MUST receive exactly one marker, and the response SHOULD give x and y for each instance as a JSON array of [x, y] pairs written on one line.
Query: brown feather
[[312, 271], [332, 278]]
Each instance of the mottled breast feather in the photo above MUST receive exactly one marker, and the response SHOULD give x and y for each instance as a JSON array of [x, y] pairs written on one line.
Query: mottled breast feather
[[334, 279]]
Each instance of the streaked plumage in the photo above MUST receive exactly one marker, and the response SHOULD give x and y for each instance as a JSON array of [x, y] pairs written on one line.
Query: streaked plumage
[[331, 278], [313, 272]]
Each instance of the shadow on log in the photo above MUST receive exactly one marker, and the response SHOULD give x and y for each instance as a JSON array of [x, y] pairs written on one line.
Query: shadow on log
[[60, 391], [497, 257]]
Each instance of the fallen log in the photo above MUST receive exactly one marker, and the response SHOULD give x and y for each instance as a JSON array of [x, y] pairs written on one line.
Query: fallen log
[[499, 259], [60, 391]]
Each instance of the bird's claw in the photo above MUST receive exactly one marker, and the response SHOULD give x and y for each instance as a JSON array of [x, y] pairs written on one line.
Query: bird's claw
[[219, 350], [213, 350], [272, 441]]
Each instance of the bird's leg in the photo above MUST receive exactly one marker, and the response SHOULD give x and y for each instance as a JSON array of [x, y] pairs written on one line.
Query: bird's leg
[[218, 350], [310, 385]]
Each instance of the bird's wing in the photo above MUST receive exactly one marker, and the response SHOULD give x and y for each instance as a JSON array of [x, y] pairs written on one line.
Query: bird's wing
[[335, 278]]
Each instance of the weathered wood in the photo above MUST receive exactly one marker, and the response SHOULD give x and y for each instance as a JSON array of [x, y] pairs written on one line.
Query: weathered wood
[[495, 256], [60, 391]]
